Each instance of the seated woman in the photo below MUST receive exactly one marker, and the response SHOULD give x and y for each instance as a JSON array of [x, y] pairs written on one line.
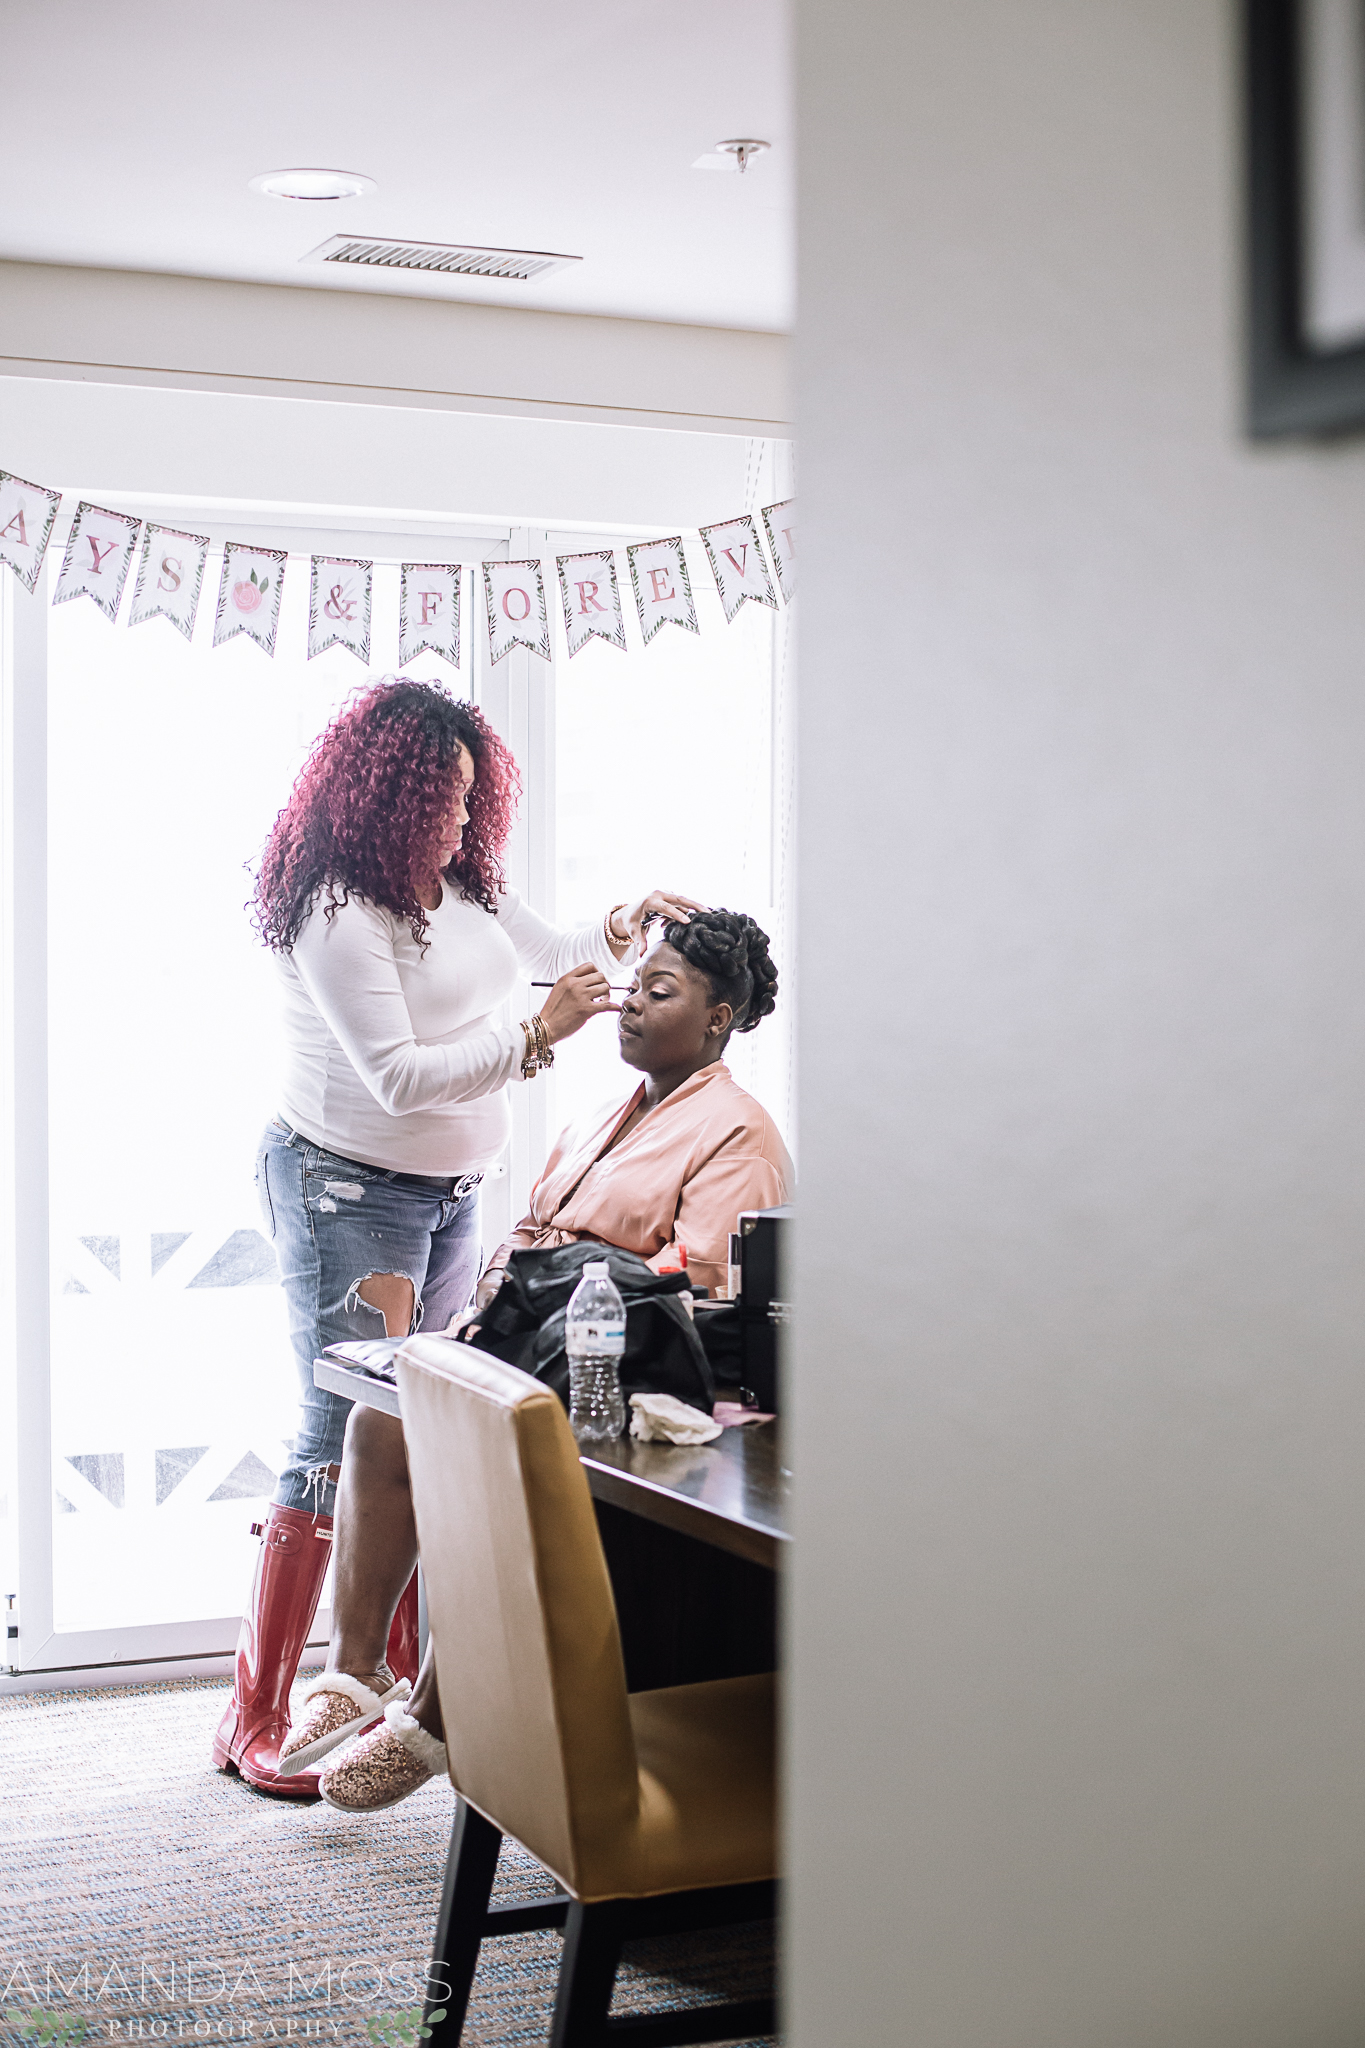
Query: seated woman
[[680, 1159]]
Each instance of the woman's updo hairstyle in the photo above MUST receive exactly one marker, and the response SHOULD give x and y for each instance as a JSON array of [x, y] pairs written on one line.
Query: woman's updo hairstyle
[[732, 952]]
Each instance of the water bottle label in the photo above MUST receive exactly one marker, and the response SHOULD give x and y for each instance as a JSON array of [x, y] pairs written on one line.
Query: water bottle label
[[600, 1340]]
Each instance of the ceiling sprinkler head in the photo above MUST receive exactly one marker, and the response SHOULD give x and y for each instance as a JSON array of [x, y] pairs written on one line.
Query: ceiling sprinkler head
[[741, 148]]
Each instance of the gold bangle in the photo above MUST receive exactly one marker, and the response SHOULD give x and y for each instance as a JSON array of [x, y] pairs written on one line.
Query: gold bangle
[[608, 928], [530, 1064], [543, 1047]]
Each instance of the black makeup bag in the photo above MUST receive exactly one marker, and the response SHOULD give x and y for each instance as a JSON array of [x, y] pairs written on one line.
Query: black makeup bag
[[524, 1323]]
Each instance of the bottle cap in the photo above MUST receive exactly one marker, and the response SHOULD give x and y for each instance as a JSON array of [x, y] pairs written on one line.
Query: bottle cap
[[597, 1269]]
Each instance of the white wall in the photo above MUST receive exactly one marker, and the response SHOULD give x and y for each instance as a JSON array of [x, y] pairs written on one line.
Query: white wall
[[114, 441], [1078, 1724], [204, 334]]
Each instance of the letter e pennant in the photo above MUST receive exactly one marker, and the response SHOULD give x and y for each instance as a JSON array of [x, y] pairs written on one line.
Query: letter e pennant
[[516, 608], [779, 523], [429, 611], [592, 602], [663, 593], [249, 594], [97, 558], [170, 576], [26, 515], [339, 606], [738, 566]]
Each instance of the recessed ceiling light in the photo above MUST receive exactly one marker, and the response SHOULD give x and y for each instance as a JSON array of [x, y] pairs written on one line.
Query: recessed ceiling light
[[312, 184], [733, 155]]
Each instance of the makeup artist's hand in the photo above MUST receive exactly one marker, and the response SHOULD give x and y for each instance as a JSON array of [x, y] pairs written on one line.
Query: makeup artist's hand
[[581, 993], [659, 903]]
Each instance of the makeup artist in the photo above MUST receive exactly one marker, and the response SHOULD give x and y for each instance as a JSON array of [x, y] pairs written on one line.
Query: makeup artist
[[381, 893]]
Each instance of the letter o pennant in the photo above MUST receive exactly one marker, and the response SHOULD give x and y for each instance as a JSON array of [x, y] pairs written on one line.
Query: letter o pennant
[[515, 597]]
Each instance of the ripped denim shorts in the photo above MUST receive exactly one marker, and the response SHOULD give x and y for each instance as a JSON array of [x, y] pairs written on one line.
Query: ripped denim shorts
[[333, 1222]]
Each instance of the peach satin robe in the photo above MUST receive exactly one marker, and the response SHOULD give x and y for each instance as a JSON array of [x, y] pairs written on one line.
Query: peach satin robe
[[686, 1170]]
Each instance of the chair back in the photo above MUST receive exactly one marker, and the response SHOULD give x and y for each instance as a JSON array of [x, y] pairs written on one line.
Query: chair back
[[528, 1653]]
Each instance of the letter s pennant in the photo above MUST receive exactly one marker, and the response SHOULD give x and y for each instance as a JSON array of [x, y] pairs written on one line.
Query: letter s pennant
[[170, 576]]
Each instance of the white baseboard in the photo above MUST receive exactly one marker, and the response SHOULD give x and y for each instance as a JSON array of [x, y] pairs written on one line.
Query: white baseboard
[[78, 1677]]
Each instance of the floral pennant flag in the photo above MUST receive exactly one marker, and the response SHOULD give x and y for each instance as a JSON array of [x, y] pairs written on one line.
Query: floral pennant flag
[[339, 606], [170, 576], [737, 564], [249, 594], [516, 608], [592, 602], [26, 515], [97, 557], [429, 611], [779, 523], [663, 593]]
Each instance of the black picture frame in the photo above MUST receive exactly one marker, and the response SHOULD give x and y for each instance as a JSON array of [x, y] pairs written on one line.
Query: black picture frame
[[1293, 387]]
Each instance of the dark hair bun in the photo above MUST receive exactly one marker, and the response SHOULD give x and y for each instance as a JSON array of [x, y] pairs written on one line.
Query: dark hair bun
[[732, 952]]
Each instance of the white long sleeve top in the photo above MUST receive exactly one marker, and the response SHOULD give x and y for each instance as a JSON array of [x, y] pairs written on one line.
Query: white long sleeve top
[[395, 1056]]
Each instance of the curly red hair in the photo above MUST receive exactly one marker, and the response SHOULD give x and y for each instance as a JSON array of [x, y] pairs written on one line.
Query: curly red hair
[[367, 811]]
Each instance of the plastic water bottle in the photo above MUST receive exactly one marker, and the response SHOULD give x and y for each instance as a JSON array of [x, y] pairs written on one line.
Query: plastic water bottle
[[595, 1339]]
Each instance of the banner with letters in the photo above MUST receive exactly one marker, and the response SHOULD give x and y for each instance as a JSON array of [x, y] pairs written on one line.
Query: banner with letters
[[429, 611], [172, 567], [27, 514], [663, 590], [170, 576], [517, 616], [779, 523], [738, 566], [97, 556], [339, 594], [592, 602], [249, 593]]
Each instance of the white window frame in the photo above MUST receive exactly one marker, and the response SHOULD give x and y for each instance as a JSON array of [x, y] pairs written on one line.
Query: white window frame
[[518, 697]]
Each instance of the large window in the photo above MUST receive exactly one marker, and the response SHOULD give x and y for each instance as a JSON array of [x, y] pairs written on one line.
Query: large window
[[158, 1331]]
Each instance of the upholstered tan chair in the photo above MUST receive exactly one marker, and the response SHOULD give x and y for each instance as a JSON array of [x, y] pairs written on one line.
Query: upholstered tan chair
[[655, 1810]]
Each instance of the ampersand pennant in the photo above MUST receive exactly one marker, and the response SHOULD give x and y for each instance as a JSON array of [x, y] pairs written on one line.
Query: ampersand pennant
[[170, 576], [97, 556], [27, 512], [429, 611], [738, 566], [592, 601], [516, 608], [339, 606], [779, 523], [663, 591], [249, 594]]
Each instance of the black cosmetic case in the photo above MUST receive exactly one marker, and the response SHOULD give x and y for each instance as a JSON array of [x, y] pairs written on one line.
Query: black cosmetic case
[[764, 1310]]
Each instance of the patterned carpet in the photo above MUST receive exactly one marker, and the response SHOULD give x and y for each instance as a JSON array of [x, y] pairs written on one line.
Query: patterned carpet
[[145, 1896]]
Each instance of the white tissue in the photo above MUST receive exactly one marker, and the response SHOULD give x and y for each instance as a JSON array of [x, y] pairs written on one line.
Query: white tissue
[[662, 1418]]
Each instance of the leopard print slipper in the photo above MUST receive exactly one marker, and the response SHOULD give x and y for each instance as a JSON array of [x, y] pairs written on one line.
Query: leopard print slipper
[[336, 1707], [385, 1765]]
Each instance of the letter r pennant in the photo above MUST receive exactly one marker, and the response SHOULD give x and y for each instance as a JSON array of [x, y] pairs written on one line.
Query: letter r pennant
[[592, 601]]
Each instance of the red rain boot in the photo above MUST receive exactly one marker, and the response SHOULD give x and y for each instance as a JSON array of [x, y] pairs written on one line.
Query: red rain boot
[[290, 1569], [404, 1653]]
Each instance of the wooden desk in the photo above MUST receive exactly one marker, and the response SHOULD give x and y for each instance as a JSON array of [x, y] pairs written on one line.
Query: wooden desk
[[731, 1493], [691, 1535]]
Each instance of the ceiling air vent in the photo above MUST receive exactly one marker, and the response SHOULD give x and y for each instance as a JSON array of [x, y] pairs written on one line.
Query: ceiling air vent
[[443, 259]]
